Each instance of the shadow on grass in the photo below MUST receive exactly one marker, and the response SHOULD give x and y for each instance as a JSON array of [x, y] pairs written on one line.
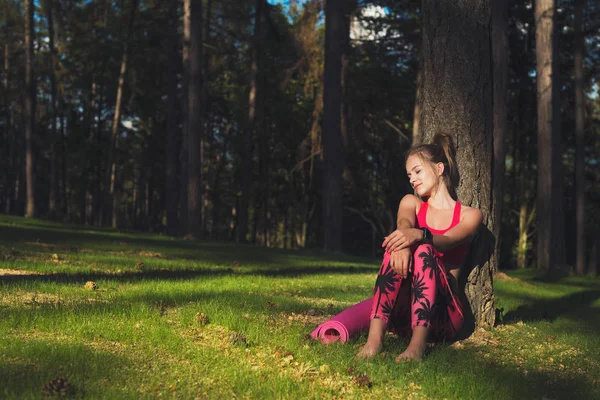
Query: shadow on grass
[[489, 379], [29, 364], [579, 303], [174, 275], [202, 251]]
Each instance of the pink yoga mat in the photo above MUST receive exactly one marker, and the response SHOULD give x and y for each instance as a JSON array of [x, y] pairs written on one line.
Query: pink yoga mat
[[346, 324]]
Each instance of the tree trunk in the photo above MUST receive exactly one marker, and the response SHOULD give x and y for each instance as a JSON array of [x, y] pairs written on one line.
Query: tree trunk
[[208, 132], [30, 88], [457, 97], [579, 141], [183, 195], [195, 117], [242, 226], [499, 78], [172, 186], [336, 34], [550, 246], [52, 197], [114, 133]]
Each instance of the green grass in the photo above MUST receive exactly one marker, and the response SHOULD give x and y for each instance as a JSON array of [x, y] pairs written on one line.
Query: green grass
[[138, 336]]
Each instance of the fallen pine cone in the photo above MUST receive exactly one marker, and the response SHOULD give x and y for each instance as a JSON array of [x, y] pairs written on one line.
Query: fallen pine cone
[[201, 318], [56, 387], [90, 285], [238, 338]]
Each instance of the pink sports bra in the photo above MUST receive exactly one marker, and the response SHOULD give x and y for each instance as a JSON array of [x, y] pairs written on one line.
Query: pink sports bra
[[455, 256]]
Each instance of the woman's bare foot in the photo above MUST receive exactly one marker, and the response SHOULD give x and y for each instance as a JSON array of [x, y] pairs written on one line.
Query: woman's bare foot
[[412, 353], [369, 351], [416, 347], [374, 343]]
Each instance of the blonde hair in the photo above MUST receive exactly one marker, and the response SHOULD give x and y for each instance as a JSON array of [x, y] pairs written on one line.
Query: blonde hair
[[440, 150]]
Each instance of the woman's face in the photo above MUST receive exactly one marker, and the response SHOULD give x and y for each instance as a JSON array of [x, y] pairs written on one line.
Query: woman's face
[[423, 178]]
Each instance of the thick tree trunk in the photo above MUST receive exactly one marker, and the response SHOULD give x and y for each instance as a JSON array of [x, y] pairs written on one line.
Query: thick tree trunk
[[30, 88], [195, 117], [550, 238], [336, 33], [500, 77], [457, 98], [242, 226], [172, 186], [579, 142]]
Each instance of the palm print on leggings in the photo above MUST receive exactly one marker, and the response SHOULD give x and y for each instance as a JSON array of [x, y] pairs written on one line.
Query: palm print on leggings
[[423, 299]]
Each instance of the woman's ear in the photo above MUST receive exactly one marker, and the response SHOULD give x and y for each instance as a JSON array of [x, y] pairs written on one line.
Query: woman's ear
[[439, 167]]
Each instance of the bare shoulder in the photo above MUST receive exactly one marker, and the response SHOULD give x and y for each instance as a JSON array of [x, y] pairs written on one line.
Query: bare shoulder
[[411, 201], [471, 214]]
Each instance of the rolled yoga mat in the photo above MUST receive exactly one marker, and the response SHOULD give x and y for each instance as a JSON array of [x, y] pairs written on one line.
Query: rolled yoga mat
[[350, 322]]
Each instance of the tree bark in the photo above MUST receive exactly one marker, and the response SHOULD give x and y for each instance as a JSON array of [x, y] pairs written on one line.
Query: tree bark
[[30, 88], [185, 55], [457, 98], [336, 33], [579, 142], [53, 192], [500, 77], [242, 226], [172, 186], [550, 238], [117, 117], [195, 117]]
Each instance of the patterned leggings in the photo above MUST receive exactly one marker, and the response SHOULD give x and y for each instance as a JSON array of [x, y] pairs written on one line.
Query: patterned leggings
[[424, 298]]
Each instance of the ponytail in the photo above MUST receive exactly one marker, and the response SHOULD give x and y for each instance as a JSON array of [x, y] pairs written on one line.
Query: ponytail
[[446, 142]]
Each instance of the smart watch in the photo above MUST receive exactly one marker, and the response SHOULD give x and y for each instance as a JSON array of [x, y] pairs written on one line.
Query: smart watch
[[427, 236]]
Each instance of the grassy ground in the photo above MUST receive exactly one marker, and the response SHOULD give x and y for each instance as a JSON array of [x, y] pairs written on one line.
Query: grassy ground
[[182, 319]]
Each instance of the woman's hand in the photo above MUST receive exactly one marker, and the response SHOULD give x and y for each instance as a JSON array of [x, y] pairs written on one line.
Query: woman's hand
[[402, 238], [401, 262]]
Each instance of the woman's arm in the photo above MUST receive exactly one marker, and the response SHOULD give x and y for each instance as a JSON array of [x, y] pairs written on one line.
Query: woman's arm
[[407, 211]]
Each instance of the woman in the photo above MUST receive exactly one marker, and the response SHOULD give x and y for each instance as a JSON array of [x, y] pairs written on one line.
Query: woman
[[415, 292]]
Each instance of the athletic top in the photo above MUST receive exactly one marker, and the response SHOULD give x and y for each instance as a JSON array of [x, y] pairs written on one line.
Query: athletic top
[[455, 256]]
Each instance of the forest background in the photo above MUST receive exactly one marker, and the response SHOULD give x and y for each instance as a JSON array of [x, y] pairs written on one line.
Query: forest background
[[212, 120]]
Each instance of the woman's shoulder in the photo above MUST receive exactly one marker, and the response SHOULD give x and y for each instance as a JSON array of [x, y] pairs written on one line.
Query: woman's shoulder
[[470, 213], [412, 201]]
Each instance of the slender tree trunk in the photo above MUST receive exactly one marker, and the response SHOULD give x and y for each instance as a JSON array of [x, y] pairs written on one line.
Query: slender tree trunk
[[457, 97], [195, 117], [184, 225], [172, 186], [550, 249], [114, 133], [52, 197], [207, 133], [29, 109], [8, 143], [242, 226], [500, 77], [579, 141], [336, 33]]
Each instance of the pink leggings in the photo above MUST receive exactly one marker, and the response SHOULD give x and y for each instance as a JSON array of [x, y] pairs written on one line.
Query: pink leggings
[[424, 298]]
